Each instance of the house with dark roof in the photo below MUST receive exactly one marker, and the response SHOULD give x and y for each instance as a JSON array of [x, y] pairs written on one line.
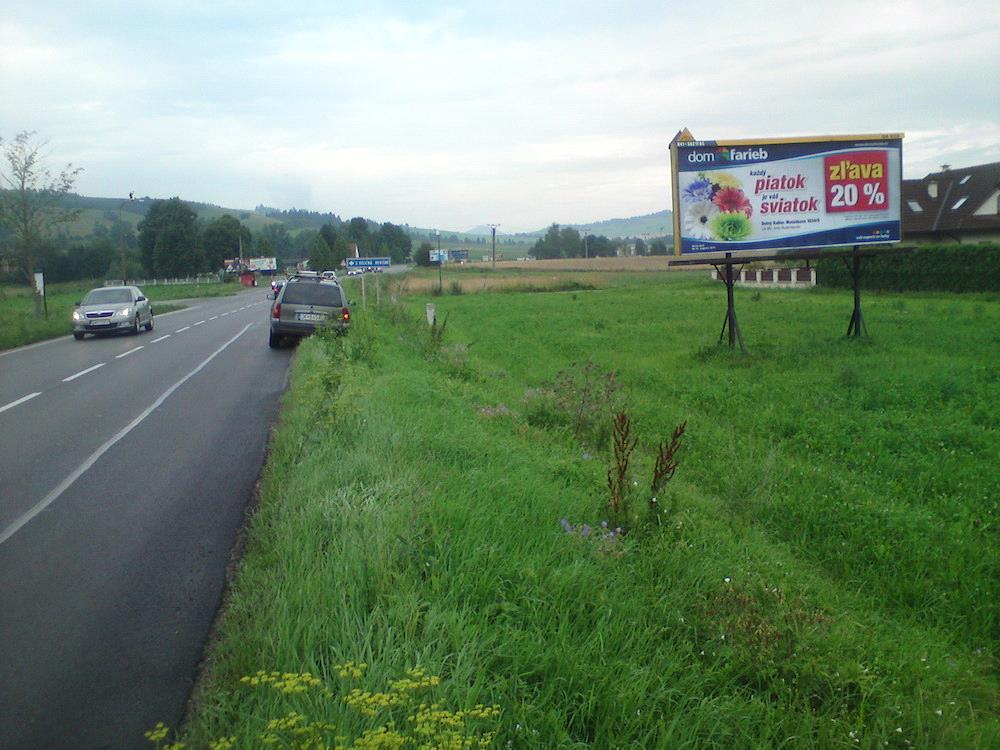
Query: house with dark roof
[[953, 205]]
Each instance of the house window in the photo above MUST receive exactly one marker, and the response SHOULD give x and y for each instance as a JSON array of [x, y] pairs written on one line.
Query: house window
[[959, 202], [916, 207], [965, 179]]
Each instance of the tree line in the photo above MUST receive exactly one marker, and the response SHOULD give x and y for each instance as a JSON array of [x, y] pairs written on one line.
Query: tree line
[[567, 242], [37, 207]]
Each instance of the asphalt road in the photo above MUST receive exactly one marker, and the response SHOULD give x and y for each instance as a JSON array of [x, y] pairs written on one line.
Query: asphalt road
[[126, 464]]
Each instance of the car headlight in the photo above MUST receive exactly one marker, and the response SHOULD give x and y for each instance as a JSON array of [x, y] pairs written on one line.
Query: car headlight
[[77, 315], [125, 311]]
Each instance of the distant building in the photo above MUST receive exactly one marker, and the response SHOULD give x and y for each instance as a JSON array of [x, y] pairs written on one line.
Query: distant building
[[953, 205]]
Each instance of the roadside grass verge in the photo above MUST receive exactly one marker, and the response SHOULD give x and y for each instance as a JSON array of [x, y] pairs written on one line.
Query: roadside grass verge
[[17, 307], [822, 572]]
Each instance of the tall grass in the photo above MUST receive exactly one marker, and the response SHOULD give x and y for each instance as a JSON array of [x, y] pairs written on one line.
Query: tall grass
[[824, 575]]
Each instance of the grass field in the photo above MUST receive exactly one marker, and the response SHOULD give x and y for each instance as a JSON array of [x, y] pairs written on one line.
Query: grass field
[[18, 325], [821, 572]]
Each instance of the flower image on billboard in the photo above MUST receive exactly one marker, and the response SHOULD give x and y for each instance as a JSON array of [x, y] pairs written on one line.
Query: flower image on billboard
[[787, 193]]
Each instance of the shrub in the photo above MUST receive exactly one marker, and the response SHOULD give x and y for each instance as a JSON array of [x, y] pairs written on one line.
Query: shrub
[[931, 268]]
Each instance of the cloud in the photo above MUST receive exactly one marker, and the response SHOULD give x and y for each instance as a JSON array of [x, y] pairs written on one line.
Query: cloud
[[521, 113]]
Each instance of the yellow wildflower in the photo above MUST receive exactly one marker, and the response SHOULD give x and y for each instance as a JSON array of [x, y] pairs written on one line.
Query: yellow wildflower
[[157, 733]]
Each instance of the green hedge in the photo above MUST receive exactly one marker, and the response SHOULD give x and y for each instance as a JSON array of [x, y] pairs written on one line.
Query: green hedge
[[930, 268]]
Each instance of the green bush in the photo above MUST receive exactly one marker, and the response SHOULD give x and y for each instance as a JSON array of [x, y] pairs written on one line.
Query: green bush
[[930, 268]]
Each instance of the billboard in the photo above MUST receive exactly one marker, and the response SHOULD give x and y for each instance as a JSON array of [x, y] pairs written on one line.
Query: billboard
[[785, 193], [262, 264]]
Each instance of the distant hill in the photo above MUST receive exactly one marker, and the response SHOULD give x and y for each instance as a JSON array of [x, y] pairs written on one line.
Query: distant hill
[[96, 211], [648, 226], [105, 211]]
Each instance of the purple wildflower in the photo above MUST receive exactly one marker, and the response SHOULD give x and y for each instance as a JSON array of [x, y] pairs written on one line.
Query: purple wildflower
[[567, 526], [585, 531]]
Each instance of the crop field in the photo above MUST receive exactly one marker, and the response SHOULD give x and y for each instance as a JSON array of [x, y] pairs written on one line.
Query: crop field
[[428, 561], [567, 274], [624, 263]]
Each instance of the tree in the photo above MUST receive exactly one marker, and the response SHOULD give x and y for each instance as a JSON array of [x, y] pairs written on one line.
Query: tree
[[423, 255], [338, 245], [600, 246], [329, 234], [341, 249], [357, 231], [321, 256], [569, 243], [302, 243], [277, 235], [640, 246], [262, 247], [168, 239], [31, 204], [396, 241], [549, 245], [95, 260], [224, 238], [657, 247]]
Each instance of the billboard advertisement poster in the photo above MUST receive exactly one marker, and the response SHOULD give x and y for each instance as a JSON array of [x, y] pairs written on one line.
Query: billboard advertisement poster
[[262, 264], [788, 193]]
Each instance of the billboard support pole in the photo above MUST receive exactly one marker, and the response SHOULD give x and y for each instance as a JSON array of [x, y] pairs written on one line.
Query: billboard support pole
[[856, 327], [735, 335]]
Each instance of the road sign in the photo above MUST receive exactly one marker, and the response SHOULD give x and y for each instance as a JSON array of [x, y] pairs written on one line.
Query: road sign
[[368, 262]]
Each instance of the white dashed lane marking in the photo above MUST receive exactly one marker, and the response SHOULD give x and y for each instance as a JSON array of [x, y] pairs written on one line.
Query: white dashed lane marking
[[21, 400], [83, 372]]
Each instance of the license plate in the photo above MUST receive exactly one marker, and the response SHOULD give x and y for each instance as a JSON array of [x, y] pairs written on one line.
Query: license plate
[[97, 323], [311, 317]]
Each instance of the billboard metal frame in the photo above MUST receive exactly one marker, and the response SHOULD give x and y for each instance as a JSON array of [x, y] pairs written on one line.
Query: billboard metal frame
[[852, 258], [723, 259]]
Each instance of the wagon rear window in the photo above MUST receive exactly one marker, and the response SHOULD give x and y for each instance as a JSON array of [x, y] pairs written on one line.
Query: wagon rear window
[[313, 294]]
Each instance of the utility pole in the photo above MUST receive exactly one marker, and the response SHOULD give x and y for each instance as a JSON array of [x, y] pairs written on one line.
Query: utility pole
[[440, 263], [121, 229], [493, 229]]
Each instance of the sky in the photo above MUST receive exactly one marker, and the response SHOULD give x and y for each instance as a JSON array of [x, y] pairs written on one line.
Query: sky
[[454, 115]]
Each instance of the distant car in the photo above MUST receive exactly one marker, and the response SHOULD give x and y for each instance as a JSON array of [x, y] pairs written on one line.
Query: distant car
[[329, 275], [112, 308], [276, 284], [304, 304], [354, 272]]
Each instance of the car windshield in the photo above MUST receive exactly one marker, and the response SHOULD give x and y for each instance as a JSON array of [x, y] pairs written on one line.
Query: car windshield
[[107, 296], [308, 293]]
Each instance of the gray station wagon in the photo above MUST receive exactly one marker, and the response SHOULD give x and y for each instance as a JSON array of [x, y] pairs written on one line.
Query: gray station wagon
[[304, 304], [112, 308]]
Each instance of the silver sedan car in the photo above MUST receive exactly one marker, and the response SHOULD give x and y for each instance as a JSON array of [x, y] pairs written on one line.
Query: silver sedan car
[[112, 308]]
